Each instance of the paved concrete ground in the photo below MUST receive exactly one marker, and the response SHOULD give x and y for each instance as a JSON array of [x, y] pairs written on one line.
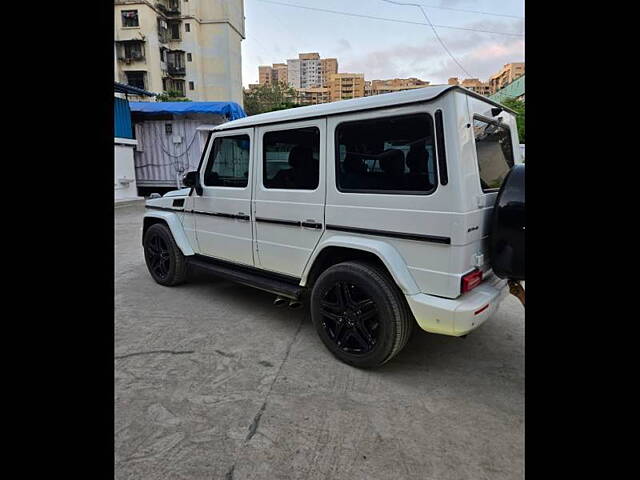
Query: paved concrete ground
[[214, 382]]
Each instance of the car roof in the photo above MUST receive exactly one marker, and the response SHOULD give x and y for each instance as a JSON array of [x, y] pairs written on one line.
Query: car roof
[[417, 95]]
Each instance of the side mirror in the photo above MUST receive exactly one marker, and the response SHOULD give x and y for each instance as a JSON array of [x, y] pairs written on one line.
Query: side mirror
[[190, 179]]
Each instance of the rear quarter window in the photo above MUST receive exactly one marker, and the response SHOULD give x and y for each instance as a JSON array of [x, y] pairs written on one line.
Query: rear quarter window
[[494, 151]]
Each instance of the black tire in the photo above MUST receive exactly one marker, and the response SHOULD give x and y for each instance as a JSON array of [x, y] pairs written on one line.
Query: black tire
[[164, 260], [372, 322]]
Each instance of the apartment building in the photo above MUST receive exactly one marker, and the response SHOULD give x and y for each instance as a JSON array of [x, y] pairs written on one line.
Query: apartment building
[[310, 71], [270, 75], [313, 95], [377, 87], [188, 46], [506, 75], [473, 84], [343, 86]]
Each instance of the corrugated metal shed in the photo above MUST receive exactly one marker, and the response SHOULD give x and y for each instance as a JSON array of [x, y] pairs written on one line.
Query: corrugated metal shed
[[122, 118], [168, 148]]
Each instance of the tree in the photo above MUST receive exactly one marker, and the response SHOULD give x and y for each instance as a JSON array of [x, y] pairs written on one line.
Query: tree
[[267, 98], [171, 96], [517, 106]]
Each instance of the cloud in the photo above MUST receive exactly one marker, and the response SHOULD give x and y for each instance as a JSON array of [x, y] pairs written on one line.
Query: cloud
[[481, 54]]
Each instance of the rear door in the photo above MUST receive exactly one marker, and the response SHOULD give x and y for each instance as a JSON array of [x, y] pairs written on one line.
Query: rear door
[[289, 194], [222, 212]]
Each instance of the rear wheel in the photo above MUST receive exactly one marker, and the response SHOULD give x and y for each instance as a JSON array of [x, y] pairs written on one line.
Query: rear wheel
[[360, 314], [165, 261]]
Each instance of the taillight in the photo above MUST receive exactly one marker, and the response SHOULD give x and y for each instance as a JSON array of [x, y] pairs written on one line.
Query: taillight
[[471, 280]]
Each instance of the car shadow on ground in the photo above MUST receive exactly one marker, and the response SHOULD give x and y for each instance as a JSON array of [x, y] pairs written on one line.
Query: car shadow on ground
[[424, 350]]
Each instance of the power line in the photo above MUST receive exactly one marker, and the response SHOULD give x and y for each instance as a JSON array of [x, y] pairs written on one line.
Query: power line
[[388, 19], [473, 11], [434, 32]]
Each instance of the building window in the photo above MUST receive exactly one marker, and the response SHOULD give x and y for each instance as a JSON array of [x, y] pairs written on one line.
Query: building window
[[387, 155], [494, 151], [136, 79], [292, 159], [133, 51], [175, 30], [191, 86], [130, 18], [188, 57], [228, 162], [187, 27]]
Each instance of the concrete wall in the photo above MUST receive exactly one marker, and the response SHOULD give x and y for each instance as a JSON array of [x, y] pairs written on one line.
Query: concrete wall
[[124, 170]]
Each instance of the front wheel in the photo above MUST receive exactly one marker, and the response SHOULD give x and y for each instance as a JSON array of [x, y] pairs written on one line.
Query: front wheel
[[360, 314], [165, 261]]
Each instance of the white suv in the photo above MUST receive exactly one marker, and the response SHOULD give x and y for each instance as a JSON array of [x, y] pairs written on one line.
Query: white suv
[[376, 210]]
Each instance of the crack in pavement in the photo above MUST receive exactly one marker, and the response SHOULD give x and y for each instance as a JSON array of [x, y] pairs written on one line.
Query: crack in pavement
[[253, 427], [172, 352]]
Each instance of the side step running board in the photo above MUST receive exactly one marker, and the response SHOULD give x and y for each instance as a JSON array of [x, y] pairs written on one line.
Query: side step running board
[[245, 276]]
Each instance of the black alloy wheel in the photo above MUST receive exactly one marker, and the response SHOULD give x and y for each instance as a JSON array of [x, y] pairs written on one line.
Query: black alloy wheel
[[158, 255], [350, 318], [164, 259], [360, 314]]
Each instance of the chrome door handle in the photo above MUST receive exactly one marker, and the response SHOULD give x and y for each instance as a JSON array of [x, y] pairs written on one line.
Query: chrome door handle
[[243, 216]]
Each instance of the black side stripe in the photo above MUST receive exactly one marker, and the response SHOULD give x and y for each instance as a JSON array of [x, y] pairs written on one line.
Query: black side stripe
[[168, 209], [291, 223], [220, 214], [385, 233]]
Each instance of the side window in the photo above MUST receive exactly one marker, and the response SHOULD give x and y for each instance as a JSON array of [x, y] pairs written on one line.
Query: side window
[[130, 18], [291, 159], [494, 151], [387, 155], [228, 164]]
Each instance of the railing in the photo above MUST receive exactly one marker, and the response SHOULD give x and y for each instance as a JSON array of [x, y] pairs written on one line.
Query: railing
[[174, 70]]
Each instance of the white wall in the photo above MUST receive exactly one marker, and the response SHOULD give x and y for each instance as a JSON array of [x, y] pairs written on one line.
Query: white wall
[[124, 170]]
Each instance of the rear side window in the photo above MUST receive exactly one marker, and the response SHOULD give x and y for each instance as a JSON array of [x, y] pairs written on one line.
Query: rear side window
[[292, 159], [387, 155], [494, 151], [228, 164]]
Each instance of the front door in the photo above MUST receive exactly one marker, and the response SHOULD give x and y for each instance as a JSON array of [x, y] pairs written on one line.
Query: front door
[[289, 194], [222, 212]]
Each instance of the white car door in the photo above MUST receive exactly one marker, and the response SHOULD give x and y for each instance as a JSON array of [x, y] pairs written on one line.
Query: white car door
[[222, 212], [289, 194]]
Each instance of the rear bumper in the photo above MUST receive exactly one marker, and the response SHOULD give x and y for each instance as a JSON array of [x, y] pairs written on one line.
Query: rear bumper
[[461, 315]]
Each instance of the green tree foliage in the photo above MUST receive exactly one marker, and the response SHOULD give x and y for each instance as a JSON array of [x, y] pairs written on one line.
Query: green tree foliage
[[518, 107], [171, 96], [267, 98]]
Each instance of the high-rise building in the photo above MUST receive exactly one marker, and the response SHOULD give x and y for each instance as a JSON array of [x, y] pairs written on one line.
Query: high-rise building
[[190, 47], [506, 75], [270, 75], [343, 86], [309, 70]]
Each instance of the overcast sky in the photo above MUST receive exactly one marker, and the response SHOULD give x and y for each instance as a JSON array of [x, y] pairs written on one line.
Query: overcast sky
[[382, 49]]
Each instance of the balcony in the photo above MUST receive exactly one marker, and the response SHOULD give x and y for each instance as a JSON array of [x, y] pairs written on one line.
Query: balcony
[[135, 57], [176, 70], [169, 8]]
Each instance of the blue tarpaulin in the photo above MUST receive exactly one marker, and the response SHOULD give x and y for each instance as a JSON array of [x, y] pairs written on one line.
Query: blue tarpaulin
[[231, 110]]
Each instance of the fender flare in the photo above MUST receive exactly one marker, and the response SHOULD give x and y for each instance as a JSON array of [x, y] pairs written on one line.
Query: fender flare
[[384, 251], [175, 226]]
